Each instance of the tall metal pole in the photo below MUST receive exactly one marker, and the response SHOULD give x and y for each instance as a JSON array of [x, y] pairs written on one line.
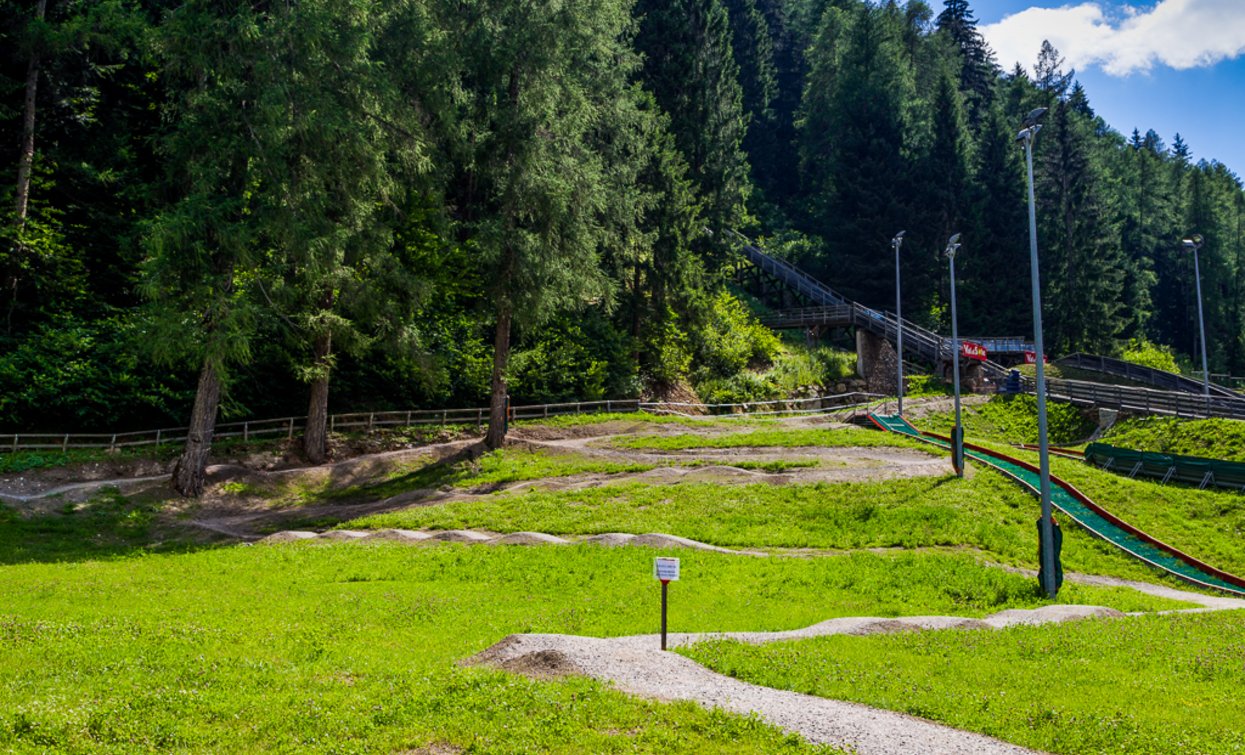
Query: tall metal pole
[[1047, 527], [898, 242], [953, 245], [1195, 243]]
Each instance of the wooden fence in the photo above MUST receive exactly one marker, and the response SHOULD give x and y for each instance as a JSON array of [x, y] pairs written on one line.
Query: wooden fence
[[289, 426], [368, 421]]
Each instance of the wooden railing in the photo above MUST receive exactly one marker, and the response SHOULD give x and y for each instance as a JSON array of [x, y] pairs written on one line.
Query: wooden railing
[[1142, 400], [1168, 381], [368, 421]]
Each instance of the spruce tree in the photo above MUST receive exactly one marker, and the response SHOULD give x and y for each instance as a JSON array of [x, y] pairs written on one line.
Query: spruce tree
[[689, 65], [1083, 264], [978, 70], [855, 145], [521, 103]]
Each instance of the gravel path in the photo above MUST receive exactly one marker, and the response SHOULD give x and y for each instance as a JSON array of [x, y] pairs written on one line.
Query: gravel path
[[649, 672], [636, 665]]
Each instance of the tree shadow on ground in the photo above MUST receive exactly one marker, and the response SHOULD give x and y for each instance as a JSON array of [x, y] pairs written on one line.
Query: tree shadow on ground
[[107, 525]]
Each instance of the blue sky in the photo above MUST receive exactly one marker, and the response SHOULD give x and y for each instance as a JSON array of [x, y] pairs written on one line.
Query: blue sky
[[1176, 66]]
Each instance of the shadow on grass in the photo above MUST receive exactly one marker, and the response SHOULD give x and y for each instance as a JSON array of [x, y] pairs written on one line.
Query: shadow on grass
[[339, 505], [108, 525]]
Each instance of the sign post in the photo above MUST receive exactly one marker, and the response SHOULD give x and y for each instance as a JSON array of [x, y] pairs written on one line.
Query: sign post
[[666, 570]]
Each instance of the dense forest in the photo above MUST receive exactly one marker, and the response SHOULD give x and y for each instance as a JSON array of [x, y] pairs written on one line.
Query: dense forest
[[270, 208]]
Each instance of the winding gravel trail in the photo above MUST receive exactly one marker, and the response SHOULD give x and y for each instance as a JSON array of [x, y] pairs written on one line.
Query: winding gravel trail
[[635, 665]]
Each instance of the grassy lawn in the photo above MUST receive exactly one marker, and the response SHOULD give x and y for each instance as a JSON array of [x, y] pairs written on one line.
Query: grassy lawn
[[770, 438], [986, 512], [1156, 684], [1210, 438], [349, 647]]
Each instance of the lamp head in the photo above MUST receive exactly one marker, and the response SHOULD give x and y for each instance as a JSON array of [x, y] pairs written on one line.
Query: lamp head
[[953, 244], [1032, 118], [1193, 242], [895, 242]]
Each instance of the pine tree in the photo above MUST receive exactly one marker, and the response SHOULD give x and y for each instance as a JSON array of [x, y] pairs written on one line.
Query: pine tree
[[1083, 265], [978, 70], [690, 67], [1049, 74], [521, 106], [855, 140]]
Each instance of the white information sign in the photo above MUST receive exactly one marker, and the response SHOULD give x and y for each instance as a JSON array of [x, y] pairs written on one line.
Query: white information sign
[[666, 569]]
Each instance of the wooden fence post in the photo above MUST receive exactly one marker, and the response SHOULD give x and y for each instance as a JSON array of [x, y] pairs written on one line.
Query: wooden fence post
[[246, 431], [112, 446], [290, 435], [158, 438], [65, 443]]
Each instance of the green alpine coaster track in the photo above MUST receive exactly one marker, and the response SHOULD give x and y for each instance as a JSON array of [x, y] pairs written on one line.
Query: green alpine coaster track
[[1078, 507]]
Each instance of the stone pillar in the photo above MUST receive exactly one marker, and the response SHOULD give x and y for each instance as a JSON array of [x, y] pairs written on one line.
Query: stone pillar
[[876, 362]]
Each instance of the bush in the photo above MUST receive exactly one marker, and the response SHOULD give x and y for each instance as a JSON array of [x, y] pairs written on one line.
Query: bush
[[575, 357], [798, 366], [743, 387], [732, 340], [1142, 352]]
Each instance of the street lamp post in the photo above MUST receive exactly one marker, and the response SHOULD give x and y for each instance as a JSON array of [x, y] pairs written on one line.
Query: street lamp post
[[898, 242], [957, 439], [1028, 131], [1194, 243]]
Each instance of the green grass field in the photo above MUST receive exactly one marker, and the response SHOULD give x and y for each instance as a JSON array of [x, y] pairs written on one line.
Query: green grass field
[[1159, 684], [117, 634], [353, 647], [775, 437], [987, 513]]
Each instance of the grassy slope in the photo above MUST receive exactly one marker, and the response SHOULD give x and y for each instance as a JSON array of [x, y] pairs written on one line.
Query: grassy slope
[[986, 512], [1211, 438], [1162, 684], [778, 437], [1207, 524], [352, 647]]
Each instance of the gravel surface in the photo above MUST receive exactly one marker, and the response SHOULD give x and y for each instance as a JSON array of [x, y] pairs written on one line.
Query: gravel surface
[[649, 672], [635, 665]]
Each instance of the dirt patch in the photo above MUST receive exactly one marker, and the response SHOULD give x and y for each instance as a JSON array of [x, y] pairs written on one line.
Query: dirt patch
[[530, 538]]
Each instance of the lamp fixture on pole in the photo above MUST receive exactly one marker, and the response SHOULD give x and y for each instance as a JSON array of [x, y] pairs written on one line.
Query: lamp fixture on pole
[[1046, 530], [1193, 244], [896, 243], [957, 434]]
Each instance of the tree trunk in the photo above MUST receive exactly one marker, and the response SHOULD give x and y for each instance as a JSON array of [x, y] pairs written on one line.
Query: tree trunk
[[26, 160], [189, 473], [497, 419], [315, 438]]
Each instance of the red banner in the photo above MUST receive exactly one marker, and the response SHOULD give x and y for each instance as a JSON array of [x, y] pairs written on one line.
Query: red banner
[[970, 350], [1031, 358]]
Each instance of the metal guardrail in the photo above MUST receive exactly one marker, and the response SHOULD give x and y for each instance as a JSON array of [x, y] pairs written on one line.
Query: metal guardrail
[[997, 345], [1170, 381], [836, 315]]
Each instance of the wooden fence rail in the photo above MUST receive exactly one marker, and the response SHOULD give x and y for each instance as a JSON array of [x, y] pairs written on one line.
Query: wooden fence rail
[[289, 426], [368, 421]]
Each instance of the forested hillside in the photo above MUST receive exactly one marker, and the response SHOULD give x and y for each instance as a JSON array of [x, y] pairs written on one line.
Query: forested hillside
[[270, 208]]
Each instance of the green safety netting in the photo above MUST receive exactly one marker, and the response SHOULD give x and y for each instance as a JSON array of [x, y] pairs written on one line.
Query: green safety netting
[[1063, 499], [1191, 469]]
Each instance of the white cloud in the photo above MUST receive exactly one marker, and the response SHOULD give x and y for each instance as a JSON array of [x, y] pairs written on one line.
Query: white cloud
[[1122, 39]]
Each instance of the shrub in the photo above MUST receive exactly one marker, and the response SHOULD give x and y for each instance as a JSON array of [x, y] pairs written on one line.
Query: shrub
[[1142, 352], [732, 340]]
